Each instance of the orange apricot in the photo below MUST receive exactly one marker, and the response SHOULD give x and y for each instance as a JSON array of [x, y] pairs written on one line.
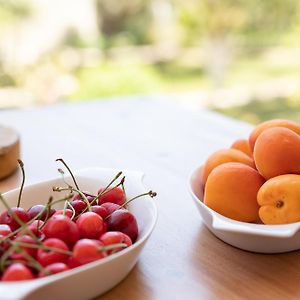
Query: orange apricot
[[269, 124], [277, 152], [231, 190], [224, 156], [279, 200], [242, 145]]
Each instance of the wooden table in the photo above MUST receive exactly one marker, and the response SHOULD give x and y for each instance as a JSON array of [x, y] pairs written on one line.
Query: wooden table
[[182, 260]]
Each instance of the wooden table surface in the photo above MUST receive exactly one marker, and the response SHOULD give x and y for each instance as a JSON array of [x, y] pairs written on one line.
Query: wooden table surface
[[182, 259]]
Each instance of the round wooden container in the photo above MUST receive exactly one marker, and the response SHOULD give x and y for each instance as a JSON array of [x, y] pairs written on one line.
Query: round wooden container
[[9, 151]]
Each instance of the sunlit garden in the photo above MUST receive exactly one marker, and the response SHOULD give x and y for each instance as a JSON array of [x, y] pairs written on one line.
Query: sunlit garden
[[237, 57]]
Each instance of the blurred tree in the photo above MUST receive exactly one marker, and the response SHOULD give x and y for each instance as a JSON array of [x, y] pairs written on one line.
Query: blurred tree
[[216, 18], [11, 12], [124, 22], [218, 23]]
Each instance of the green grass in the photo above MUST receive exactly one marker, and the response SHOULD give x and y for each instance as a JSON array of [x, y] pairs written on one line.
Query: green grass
[[115, 80], [258, 111], [130, 79], [112, 79]]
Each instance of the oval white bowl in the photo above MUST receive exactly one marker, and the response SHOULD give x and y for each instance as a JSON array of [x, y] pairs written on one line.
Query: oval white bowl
[[94, 279], [247, 236]]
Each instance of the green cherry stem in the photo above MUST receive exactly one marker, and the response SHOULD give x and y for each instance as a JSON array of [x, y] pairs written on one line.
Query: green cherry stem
[[4, 257], [23, 181], [150, 193], [123, 188], [65, 207], [33, 261], [105, 190], [74, 180], [48, 208], [17, 219], [43, 246], [62, 173], [73, 210], [112, 247], [7, 237], [71, 189]]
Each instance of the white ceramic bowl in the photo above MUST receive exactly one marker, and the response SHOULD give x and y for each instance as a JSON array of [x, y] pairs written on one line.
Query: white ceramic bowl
[[94, 279], [252, 237]]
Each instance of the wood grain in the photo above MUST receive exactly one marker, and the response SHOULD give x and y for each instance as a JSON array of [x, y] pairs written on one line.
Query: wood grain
[[182, 259], [9, 151]]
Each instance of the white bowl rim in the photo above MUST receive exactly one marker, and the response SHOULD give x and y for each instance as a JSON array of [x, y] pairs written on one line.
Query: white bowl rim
[[220, 222], [104, 260]]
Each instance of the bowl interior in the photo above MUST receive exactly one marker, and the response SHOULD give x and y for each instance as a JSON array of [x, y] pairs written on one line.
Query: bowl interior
[[217, 221], [83, 282], [196, 183], [143, 209]]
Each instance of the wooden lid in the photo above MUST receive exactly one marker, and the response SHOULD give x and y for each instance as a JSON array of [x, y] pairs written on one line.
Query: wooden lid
[[9, 151]]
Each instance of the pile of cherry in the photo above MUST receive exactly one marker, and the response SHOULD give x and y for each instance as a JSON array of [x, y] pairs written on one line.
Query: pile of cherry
[[42, 240]]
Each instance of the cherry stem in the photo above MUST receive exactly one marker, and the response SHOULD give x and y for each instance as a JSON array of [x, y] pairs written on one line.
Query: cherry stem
[[34, 262], [48, 208], [106, 190], [67, 197], [30, 264], [4, 257], [73, 210], [123, 188], [150, 193], [15, 247], [65, 207], [7, 237], [8, 262], [112, 247], [62, 173], [74, 180], [17, 219], [23, 181], [42, 246], [39, 227], [84, 198]]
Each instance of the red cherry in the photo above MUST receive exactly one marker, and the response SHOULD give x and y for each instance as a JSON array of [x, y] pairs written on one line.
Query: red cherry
[[78, 205], [115, 237], [17, 272], [115, 195], [90, 225], [27, 239], [67, 212], [36, 209], [89, 196], [47, 257], [63, 228], [34, 227], [4, 246], [91, 200], [124, 221], [53, 269], [110, 207], [87, 250], [6, 218], [5, 230], [100, 210], [73, 263]]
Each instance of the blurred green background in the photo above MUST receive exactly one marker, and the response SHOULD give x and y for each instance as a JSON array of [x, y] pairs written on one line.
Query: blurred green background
[[239, 57]]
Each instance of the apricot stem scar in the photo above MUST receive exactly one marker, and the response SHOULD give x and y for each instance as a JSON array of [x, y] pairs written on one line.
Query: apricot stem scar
[[279, 203]]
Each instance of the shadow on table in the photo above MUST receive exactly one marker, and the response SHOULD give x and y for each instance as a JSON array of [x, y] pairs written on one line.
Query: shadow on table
[[226, 270], [134, 286]]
